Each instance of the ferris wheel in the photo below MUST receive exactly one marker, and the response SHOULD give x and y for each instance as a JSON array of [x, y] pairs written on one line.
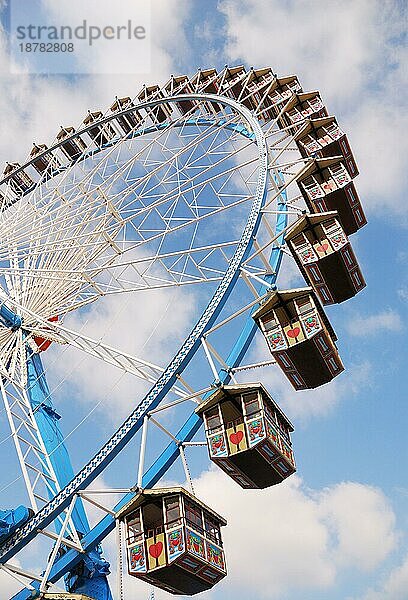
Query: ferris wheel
[[204, 184]]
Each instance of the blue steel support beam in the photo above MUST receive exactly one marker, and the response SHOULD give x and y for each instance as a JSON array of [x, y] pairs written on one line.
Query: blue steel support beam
[[47, 422], [51, 434], [8, 318]]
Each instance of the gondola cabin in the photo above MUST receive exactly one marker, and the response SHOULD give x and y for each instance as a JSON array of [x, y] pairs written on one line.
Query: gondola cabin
[[255, 81], [302, 106], [72, 147], [272, 93], [248, 435], [232, 81], [160, 112], [100, 133], [258, 86], [235, 85], [299, 337], [326, 185], [207, 82], [181, 85], [281, 89], [173, 541], [325, 257], [127, 122], [323, 138], [44, 161], [20, 182]]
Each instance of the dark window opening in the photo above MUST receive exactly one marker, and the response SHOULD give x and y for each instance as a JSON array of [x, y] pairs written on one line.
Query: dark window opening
[[172, 511], [194, 516], [251, 404], [212, 529]]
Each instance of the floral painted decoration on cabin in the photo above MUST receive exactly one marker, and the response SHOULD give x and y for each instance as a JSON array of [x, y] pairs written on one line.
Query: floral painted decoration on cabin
[[195, 544], [276, 340], [137, 559], [311, 324], [215, 556], [175, 542], [217, 444], [256, 430]]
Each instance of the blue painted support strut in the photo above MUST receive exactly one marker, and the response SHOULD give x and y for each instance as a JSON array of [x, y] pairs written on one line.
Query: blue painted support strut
[[46, 417], [47, 421], [8, 318]]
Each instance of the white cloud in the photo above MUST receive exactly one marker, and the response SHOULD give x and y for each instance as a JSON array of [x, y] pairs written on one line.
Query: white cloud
[[352, 52], [8, 585], [388, 320], [394, 587], [348, 510], [289, 537], [403, 293]]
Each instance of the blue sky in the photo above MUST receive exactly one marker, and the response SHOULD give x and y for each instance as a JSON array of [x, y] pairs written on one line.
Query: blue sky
[[346, 538]]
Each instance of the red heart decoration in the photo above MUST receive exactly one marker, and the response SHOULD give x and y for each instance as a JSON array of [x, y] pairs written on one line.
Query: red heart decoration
[[256, 429], [218, 443], [293, 333], [235, 438], [156, 549], [322, 248]]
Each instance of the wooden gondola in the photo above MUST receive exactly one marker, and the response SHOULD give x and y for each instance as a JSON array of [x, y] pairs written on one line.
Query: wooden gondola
[[181, 85], [232, 81], [207, 82], [323, 138], [160, 112], [74, 147], [301, 106], [325, 257], [281, 90], [20, 182], [258, 86], [326, 185], [236, 83], [128, 121], [46, 161], [248, 435], [101, 133], [173, 541], [300, 337]]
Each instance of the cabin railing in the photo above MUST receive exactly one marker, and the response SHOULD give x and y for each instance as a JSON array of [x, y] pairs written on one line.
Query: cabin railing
[[300, 328], [257, 427], [314, 189], [328, 135]]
